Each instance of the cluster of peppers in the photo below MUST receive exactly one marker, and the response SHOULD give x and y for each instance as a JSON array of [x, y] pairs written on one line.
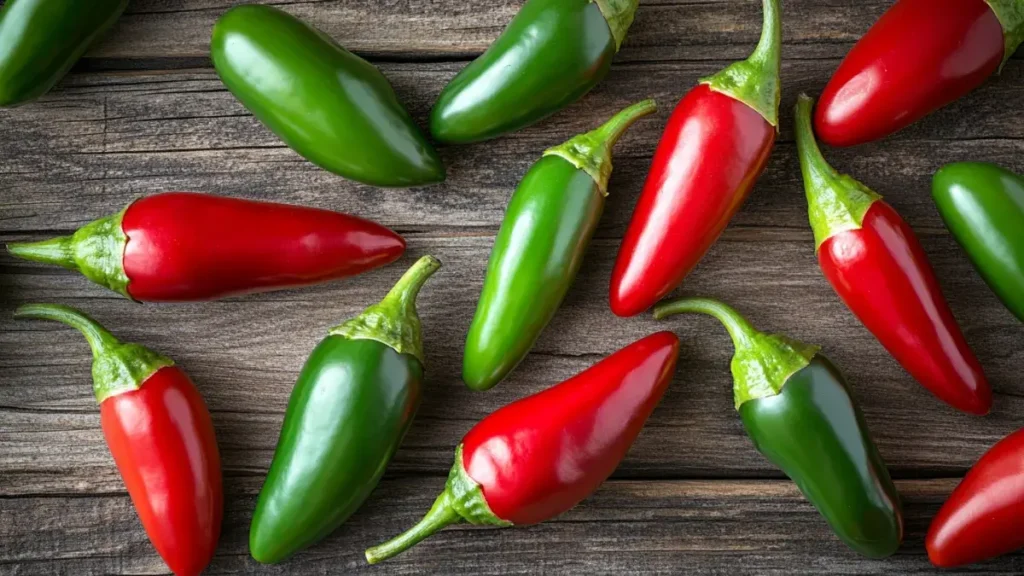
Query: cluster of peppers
[[359, 391]]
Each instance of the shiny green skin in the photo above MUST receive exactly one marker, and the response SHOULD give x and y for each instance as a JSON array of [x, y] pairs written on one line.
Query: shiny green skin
[[40, 40], [552, 53], [348, 412], [814, 431], [983, 206], [332, 107], [537, 253]]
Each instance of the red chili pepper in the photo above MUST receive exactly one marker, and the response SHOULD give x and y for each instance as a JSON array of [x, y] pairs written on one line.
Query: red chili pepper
[[183, 246], [714, 148], [160, 434], [984, 517], [536, 458], [877, 266], [920, 56]]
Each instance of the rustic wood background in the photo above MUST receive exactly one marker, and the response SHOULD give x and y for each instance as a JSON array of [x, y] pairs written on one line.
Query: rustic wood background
[[145, 113]]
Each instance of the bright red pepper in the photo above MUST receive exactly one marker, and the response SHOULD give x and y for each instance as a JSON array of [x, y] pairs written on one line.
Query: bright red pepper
[[536, 458], [161, 436], [920, 56], [714, 148], [984, 517], [183, 246], [876, 264]]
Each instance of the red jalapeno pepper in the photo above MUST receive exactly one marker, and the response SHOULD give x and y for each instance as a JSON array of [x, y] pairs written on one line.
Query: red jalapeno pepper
[[920, 56], [161, 437], [984, 517], [183, 246], [714, 148], [876, 264], [536, 458]]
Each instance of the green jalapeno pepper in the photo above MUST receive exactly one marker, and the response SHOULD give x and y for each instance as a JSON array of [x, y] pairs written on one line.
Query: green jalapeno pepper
[[40, 40], [332, 107], [799, 412], [352, 405], [538, 251], [552, 53], [983, 206]]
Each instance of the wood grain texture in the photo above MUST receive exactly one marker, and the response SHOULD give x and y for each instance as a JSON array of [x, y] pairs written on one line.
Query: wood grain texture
[[146, 115]]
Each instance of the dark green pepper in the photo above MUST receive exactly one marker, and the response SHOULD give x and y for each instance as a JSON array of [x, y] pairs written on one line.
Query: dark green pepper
[[539, 248], [799, 412], [552, 53], [352, 404], [40, 40], [332, 107], [983, 206]]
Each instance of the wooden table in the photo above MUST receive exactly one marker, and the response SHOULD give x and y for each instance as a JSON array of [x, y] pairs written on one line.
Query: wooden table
[[144, 113]]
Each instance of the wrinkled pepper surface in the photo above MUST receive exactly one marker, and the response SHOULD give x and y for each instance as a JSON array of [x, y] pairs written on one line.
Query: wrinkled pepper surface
[[183, 246], [983, 206], [552, 53], [351, 406], [332, 107], [800, 413], [920, 56], [713, 150], [539, 248], [161, 436], [40, 40], [536, 458], [876, 264]]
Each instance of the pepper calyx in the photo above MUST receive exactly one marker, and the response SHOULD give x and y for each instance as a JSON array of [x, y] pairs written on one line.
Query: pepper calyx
[[117, 367], [592, 151], [462, 499], [96, 250], [762, 363], [394, 321], [1010, 14], [756, 81], [619, 15], [836, 202]]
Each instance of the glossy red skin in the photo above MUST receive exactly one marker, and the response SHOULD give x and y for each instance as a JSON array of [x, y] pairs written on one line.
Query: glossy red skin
[[883, 275], [185, 246], [162, 440], [542, 455], [920, 56], [712, 152], [984, 517]]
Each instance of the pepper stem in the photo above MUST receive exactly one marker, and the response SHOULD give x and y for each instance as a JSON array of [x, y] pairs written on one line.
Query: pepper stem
[[394, 321], [756, 81], [59, 251], [592, 151], [835, 202], [619, 15], [441, 514], [763, 363], [116, 368]]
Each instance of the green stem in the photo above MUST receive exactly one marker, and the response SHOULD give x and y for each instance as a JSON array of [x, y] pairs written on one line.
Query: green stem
[[116, 367], [592, 151], [1010, 14], [763, 363], [441, 514], [756, 81], [619, 15], [59, 251], [394, 321], [835, 202]]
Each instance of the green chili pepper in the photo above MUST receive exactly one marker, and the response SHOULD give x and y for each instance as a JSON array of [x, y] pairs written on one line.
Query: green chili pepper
[[332, 107], [40, 40], [538, 251], [552, 53], [352, 404], [983, 206], [800, 414]]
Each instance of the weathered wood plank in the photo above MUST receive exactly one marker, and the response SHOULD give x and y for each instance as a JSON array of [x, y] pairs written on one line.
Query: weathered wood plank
[[654, 527]]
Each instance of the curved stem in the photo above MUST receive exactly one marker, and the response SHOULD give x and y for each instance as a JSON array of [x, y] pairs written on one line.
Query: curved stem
[[59, 251], [768, 52], [740, 330], [610, 132], [100, 339], [812, 163], [441, 514], [403, 294]]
